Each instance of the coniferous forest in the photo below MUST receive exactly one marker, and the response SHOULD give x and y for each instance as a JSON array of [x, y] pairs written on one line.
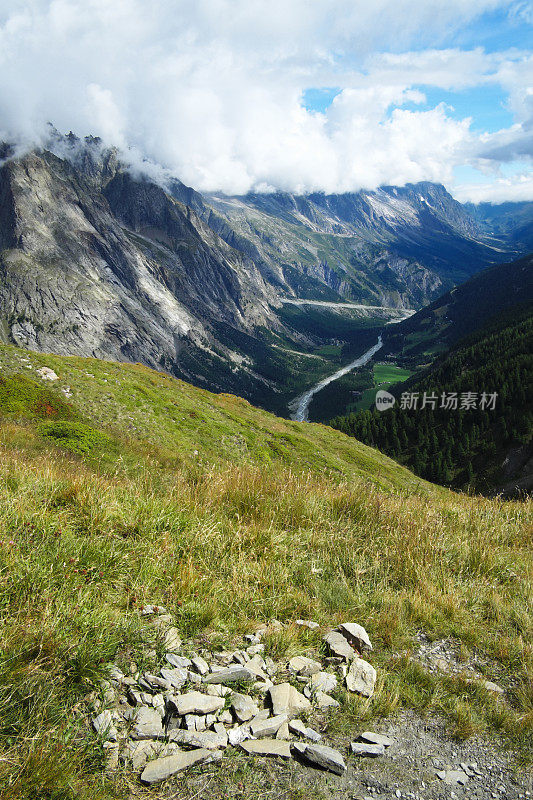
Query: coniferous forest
[[469, 447]]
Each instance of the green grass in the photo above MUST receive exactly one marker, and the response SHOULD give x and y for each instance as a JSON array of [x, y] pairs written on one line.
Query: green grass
[[228, 516], [387, 374]]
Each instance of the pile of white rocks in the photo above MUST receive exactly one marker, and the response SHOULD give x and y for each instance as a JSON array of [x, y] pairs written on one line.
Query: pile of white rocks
[[198, 705]]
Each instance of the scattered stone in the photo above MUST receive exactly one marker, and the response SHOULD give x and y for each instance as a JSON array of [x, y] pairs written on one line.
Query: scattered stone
[[301, 665], [176, 677], [307, 623], [218, 690], [225, 716], [139, 752], [376, 738], [339, 645], [151, 682], [47, 374], [196, 703], [149, 610], [114, 673], [263, 686], [238, 734], [298, 727], [255, 665], [453, 776], [163, 768], [323, 682], [103, 725], [171, 639], [195, 722], [147, 724], [243, 707], [200, 665], [490, 686], [230, 675], [261, 728], [209, 740], [320, 755], [361, 678], [287, 700], [267, 747], [194, 678], [324, 700], [255, 649], [178, 661], [283, 732], [356, 636], [364, 749]]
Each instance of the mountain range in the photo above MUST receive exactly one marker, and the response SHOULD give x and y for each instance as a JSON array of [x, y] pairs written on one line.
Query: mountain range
[[99, 259]]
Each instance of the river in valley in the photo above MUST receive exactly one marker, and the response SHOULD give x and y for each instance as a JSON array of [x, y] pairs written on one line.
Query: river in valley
[[300, 405]]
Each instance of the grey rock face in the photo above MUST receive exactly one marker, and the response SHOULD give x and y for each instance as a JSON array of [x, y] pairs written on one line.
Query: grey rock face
[[356, 635], [230, 675], [163, 768], [361, 677], [147, 724], [196, 703], [103, 725], [320, 756], [339, 646], [364, 749], [287, 700], [267, 747], [376, 738]]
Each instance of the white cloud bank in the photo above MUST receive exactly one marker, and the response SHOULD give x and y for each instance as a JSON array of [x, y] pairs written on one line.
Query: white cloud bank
[[212, 89]]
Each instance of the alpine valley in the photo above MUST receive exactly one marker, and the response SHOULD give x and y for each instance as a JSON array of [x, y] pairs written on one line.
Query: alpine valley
[[99, 259]]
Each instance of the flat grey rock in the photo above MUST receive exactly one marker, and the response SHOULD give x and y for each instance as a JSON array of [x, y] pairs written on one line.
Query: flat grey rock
[[196, 703], [302, 665], [307, 623], [365, 749], [103, 725], [356, 636], [339, 645], [209, 740], [361, 677], [453, 776], [376, 738], [238, 734], [200, 665], [324, 700], [321, 756], [243, 707], [267, 747], [298, 727], [230, 675], [178, 661], [322, 682], [264, 728], [176, 677], [163, 768], [288, 700], [147, 724]]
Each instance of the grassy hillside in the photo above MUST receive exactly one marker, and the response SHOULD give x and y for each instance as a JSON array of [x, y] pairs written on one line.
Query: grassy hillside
[[139, 488]]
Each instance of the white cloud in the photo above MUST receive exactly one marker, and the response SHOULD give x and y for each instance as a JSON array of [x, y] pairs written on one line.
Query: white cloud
[[499, 190], [212, 89]]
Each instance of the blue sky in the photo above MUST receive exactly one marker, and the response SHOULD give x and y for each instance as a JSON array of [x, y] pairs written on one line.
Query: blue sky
[[296, 95]]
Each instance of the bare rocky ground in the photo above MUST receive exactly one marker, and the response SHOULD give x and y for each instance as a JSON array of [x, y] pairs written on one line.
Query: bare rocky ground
[[422, 748], [234, 724]]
